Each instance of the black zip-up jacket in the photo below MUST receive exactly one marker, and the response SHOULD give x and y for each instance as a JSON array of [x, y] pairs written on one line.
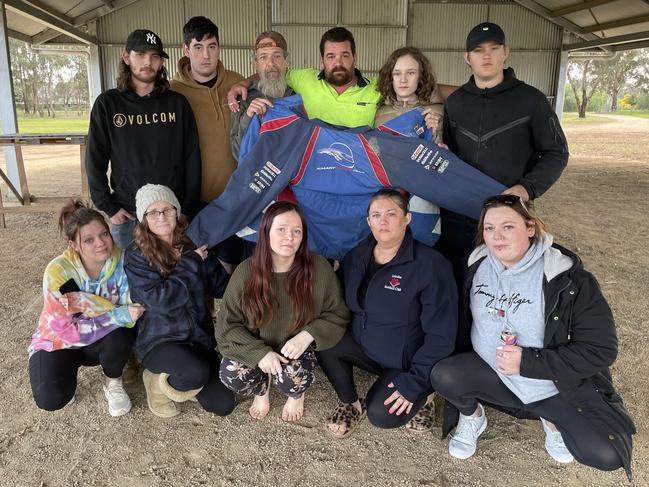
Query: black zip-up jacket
[[579, 346], [508, 132], [409, 321], [147, 139], [175, 303]]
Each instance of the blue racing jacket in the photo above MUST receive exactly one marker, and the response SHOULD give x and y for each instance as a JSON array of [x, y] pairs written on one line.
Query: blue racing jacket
[[425, 223], [332, 173]]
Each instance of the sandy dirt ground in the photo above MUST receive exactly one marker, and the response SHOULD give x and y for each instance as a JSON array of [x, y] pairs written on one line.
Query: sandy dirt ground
[[598, 208]]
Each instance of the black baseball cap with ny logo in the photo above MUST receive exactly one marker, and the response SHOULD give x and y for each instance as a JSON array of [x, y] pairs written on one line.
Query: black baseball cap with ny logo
[[142, 40]]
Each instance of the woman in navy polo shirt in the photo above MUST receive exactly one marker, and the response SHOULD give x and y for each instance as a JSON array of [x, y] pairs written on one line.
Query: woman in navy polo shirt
[[404, 319]]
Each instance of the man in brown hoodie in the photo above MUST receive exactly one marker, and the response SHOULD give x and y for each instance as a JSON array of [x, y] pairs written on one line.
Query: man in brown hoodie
[[203, 80]]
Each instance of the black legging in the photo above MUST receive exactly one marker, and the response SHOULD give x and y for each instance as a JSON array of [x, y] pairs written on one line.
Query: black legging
[[190, 368], [464, 379], [338, 364], [53, 375]]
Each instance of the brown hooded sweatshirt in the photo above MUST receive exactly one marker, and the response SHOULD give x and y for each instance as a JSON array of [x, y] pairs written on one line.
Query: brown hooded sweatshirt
[[210, 107]]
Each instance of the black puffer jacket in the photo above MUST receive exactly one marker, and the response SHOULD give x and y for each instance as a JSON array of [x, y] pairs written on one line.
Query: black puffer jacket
[[508, 132], [176, 306], [579, 346]]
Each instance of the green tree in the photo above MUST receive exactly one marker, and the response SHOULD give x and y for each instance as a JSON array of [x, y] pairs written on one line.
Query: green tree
[[617, 73], [584, 81]]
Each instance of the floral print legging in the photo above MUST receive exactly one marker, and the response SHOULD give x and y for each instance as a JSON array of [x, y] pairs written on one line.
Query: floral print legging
[[296, 377]]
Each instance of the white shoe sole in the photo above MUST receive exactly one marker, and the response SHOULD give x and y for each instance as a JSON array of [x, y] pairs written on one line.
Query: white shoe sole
[[115, 413], [462, 455]]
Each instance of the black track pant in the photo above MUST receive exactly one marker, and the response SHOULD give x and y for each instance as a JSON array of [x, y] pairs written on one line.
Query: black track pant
[[338, 364], [465, 379], [53, 375], [190, 368]]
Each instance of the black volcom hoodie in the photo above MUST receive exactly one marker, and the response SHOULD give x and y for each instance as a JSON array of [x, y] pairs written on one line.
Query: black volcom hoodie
[[148, 139]]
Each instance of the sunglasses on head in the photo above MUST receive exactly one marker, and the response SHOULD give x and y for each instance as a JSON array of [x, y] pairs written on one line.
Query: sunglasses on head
[[504, 199]]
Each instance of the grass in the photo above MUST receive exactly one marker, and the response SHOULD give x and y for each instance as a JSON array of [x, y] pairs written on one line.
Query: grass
[[572, 118], [594, 117], [64, 123], [634, 113]]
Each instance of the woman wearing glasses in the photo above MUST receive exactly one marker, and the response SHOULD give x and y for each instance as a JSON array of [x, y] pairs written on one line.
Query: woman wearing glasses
[[173, 280], [538, 339]]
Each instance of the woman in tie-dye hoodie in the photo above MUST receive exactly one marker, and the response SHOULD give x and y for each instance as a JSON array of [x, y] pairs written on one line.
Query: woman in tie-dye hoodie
[[87, 316]]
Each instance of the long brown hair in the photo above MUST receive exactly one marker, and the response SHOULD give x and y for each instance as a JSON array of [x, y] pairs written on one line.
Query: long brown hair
[[258, 293], [125, 78], [158, 252], [425, 86], [75, 214]]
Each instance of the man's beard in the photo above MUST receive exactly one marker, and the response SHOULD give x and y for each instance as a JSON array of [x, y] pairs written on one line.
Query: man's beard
[[339, 76], [145, 77], [272, 88]]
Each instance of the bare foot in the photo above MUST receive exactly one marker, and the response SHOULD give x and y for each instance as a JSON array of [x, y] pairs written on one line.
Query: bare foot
[[340, 430], [260, 406], [293, 409]]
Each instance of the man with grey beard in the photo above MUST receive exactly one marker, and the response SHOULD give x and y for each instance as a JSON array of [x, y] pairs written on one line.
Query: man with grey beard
[[271, 63]]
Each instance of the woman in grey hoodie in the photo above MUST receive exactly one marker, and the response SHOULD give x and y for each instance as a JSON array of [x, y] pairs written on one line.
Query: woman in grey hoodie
[[537, 338]]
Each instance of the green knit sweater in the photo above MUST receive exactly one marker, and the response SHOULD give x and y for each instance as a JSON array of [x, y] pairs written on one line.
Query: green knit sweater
[[237, 342]]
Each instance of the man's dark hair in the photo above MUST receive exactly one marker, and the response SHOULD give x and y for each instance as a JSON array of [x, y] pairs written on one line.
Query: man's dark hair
[[199, 28], [337, 34]]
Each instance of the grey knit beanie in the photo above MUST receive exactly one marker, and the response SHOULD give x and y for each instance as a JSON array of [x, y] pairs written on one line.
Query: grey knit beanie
[[149, 194]]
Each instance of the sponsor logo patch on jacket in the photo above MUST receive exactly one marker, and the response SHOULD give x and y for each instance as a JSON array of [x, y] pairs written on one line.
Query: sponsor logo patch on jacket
[[394, 284]]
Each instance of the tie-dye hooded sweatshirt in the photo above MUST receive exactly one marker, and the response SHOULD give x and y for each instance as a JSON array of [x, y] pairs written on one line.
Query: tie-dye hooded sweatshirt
[[77, 319]]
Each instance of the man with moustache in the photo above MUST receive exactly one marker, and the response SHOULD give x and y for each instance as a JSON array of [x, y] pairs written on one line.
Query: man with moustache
[[148, 135], [501, 126], [339, 94], [271, 63]]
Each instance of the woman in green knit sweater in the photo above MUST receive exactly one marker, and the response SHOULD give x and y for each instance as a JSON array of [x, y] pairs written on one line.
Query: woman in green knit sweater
[[280, 305]]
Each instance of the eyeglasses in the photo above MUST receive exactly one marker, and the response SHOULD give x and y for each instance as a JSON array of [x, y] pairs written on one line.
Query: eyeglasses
[[166, 213], [504, 199]]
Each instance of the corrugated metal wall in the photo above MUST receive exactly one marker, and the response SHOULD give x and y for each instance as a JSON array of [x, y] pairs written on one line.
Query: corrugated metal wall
[[440, 29], [379, 26]]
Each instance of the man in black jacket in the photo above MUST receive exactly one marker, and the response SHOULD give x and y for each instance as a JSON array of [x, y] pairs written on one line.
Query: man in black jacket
[[148, 134], [501, 126]]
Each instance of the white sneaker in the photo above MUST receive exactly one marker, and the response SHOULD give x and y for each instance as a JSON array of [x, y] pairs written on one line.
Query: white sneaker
[[465, 439], [555, 446], [118, 401]]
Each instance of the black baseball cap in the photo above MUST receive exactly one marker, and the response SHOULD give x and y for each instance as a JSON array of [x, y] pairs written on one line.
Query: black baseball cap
[[142, 40], [485, 31]]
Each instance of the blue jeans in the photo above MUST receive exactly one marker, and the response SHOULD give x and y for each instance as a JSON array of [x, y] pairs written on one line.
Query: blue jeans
[[123, 233]]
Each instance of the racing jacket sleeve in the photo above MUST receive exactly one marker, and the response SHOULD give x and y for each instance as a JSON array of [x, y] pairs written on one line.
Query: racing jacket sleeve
[[552, 150], [97, 157], [253, 185]]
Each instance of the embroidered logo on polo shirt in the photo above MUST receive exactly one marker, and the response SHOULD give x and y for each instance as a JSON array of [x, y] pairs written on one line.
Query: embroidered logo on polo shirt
[[394, 284]]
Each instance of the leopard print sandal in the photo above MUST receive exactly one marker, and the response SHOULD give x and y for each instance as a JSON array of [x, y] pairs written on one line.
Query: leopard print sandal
[[346, 415], [424, 420]]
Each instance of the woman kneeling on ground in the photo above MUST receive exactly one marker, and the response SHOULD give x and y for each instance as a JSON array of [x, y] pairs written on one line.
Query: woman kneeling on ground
[[280, 304], [404, 319], [173, 280], [542, 338], [87, 316]]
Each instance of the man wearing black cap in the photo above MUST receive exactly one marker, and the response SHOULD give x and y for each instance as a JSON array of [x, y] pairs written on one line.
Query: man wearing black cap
[[503, 127], [148, 134]]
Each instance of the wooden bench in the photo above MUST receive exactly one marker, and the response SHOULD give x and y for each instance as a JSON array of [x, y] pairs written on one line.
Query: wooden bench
[[22, 194]]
